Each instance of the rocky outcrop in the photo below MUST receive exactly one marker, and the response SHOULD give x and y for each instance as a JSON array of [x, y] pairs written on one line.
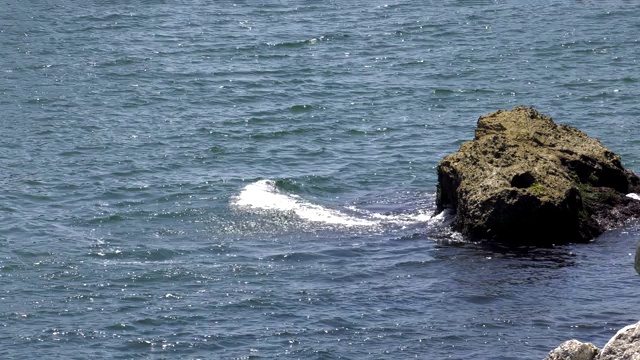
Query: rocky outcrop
[[573, 350], [525, 180], [625, 345]]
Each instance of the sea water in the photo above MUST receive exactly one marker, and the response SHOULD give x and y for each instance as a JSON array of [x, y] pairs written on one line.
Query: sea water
[[256, 179]]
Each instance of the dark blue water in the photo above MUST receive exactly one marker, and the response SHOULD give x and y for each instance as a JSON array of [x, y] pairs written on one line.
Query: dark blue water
[[253, 179]]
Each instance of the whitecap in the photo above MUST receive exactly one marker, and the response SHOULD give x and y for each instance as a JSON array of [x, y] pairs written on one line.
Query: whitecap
[[634, 196], [264, 195]]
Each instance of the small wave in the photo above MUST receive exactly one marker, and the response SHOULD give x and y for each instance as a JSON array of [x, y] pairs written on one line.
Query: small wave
[[301, 108], [397, 219], [634, 196], [110, 218], [265, 195], [283, 133], [299, 43]]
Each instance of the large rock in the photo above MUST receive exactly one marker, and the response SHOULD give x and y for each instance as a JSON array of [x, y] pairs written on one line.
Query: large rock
[[525, 180], [625, 345]]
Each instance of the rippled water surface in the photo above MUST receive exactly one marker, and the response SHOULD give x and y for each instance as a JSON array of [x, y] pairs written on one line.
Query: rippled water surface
[[254, 179]]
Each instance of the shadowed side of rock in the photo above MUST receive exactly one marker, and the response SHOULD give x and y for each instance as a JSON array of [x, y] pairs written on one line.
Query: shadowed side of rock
[[525, 180]]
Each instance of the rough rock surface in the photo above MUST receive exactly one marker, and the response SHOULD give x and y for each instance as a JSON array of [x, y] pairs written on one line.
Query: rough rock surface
[[625, 345], [573, 350], [525, 180]]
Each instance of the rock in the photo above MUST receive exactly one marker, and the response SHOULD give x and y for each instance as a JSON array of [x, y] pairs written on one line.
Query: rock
[[625, 345], [573, 350], [525, 180]]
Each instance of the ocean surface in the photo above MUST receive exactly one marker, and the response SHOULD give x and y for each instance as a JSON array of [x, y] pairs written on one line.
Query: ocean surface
[[256, 179]]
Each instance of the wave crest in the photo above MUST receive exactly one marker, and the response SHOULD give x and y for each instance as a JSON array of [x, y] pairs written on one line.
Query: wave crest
[[266, 196]]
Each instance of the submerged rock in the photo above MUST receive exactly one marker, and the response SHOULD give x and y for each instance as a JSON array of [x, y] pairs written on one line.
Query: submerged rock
[[525, 180]]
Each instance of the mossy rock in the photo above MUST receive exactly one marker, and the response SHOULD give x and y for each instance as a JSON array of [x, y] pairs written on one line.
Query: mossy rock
[[525, 180]]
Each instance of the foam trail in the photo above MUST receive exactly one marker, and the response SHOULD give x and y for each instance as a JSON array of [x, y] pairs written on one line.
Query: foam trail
[[634, 196], [397, 219], [263, 195]]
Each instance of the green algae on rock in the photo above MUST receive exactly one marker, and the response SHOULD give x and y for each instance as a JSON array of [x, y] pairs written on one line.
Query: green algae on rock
[[525, 180]]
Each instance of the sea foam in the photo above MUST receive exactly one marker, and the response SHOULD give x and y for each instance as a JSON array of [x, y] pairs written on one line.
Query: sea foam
[[264, 195]]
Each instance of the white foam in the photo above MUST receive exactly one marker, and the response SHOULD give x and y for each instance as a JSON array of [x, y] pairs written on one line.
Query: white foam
[[263, 195], [634, 196], [397, 219]]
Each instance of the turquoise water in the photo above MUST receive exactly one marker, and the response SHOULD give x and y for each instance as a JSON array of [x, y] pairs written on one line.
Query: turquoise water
[[256, 179]]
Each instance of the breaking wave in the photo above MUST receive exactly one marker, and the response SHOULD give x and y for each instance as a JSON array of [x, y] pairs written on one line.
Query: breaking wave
[[263, 195]]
